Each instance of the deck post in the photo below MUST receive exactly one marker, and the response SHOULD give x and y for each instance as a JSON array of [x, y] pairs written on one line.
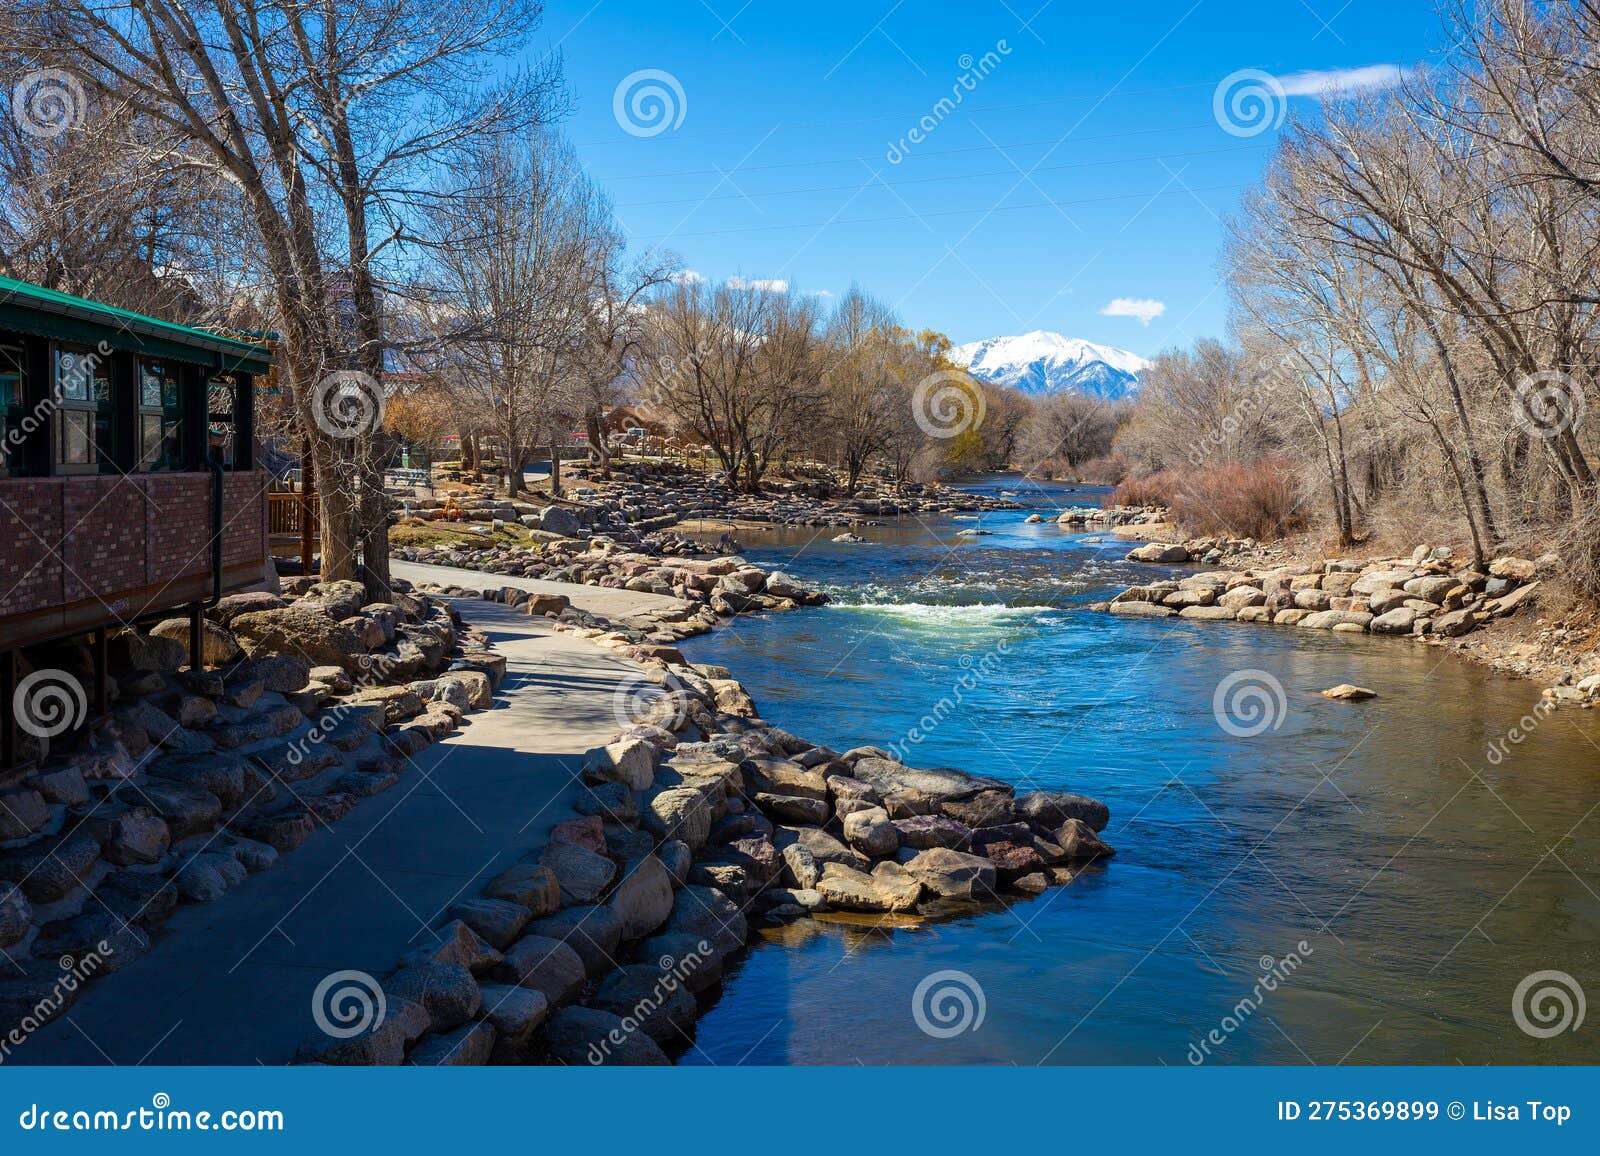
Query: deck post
[[102, 673], [308, 489], [196, 638]]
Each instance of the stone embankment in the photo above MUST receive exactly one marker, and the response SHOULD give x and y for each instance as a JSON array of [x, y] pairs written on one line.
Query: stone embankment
[[1431, 596], [305, 704], [1426, 594], [643, 499], [721, 587], [698, 822]]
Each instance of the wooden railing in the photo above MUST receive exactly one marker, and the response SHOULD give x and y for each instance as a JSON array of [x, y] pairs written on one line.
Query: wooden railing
[[283, 514]]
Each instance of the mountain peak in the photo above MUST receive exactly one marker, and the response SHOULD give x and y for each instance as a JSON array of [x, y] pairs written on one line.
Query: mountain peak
[[1044, 362]]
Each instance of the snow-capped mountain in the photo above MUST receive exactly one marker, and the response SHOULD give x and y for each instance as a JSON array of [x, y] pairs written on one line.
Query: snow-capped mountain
[[1043, 362]]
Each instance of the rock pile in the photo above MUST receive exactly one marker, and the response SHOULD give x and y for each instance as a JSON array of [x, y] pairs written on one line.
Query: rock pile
[[695, 823], [204, 774], [724, 586], [1428, 594]]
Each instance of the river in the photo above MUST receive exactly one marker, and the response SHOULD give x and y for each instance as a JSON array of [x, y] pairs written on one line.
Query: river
[[1357, 882]]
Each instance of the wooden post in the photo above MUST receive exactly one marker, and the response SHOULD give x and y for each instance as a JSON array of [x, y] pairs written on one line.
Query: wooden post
[[102, 673], [308, 514], [196, 638]]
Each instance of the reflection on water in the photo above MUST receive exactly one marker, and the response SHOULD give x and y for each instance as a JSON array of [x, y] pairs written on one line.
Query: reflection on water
[[1423, 880]]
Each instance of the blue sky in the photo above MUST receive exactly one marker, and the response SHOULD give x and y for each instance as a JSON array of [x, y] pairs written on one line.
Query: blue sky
[[1083, 164]]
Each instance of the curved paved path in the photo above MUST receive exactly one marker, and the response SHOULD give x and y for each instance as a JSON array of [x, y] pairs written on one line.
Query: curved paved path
[[230, 982]]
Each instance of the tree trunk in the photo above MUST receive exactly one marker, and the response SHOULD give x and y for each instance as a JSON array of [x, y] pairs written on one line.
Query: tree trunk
[[555, 469]]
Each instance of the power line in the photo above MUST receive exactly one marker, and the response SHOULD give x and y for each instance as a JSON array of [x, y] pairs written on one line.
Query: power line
[[876, 160], [950, 212], [946, 177]]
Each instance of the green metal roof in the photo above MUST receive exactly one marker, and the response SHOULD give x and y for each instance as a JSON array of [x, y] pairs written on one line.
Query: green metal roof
[[46, 313]]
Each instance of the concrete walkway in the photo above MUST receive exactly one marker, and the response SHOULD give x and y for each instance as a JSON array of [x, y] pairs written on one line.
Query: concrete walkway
[[602, 600], [231, 982]]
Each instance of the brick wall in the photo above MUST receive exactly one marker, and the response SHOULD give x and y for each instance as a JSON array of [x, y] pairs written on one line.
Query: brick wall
[[97, 540]]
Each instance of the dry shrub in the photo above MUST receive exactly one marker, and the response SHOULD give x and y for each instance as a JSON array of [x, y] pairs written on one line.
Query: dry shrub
[[1149, 490], [1260, 500], [1105, 470]]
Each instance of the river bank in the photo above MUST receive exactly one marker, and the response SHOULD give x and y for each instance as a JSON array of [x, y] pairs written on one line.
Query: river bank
[[1510, 615]]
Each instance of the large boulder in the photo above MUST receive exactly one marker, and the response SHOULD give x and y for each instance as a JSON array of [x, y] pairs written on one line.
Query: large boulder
[[466, 1047], [131, 650], [870, 832], [643, 899], [706, 913], [231, 606], [657, 1000], [583, 1035], [1079, 842], [923, 831], [496, 921], [50, 869], [594, 933], [23, 812], [544, 965], [886, 775], [1159, 552], [582, 874], [446, 991], [889, 888], [1050, 809], [952, 874], [516, 1013], [630, 763], [16, 914], [304, 633], [679, 813], [1400, 620], [556, 520], [529, 885], [217, 646]]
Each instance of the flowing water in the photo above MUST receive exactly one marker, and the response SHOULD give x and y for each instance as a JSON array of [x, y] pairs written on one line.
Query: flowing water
[[1358, 882]]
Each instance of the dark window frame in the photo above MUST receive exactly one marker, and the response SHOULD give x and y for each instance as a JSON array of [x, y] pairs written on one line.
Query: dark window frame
[[101, 414]]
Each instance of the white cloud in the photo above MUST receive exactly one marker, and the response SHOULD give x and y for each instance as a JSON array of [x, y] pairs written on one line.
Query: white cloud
[[688, 277], [1142, 308], [819, 293], [761, 286], [1343, 81]]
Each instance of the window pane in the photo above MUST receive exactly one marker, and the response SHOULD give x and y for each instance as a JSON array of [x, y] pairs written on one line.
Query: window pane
[[76, 437], [10, 376], [150, 384], [72, 375], [150, 451]]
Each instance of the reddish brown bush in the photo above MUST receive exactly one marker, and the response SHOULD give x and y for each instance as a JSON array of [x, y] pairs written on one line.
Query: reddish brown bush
[[1259, 500], [1148, 490]]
